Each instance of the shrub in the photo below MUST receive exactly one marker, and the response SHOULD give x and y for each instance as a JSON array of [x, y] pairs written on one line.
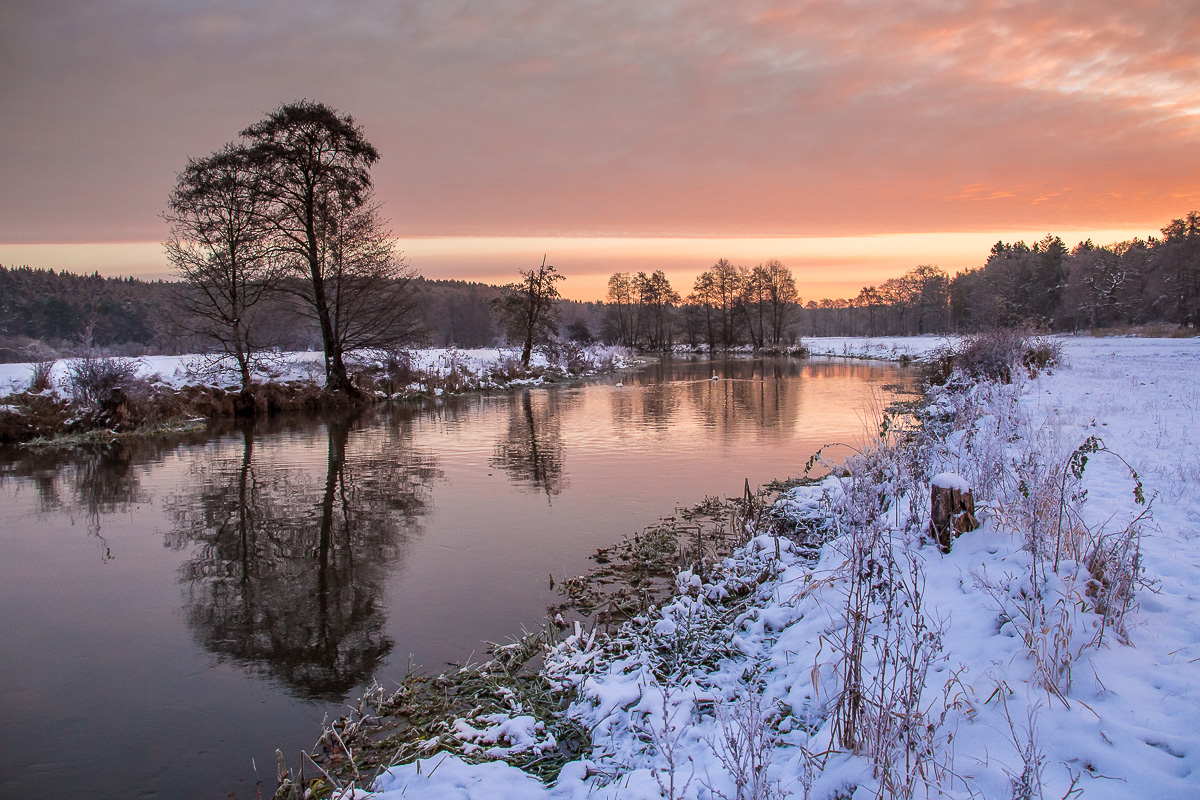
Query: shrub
[[40, 381], [994, 355], [92, 378], [1039, 354]]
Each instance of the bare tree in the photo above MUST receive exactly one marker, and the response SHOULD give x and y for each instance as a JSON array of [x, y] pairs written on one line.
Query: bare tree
[[621, 308], [313, 168], [783, 301], [656, 298], [528, 309], [718, 294], [367, 288], [220, 249], [705, 301], [727, 285], [753, 302]]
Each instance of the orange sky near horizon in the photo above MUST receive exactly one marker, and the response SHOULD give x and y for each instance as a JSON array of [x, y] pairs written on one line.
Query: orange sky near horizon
[[850, 140], [824, 267]]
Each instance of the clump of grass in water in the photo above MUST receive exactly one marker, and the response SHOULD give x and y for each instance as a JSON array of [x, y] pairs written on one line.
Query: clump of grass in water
[[104, 436]]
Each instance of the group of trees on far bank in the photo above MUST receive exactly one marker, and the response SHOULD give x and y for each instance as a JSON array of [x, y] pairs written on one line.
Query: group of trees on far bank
[[1044, 285], [729, 306]]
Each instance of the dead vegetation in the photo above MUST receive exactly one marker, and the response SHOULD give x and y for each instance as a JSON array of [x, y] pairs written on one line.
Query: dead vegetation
[[639, 571]]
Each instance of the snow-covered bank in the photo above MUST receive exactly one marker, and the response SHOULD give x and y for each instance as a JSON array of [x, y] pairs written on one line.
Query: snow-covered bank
[[1054, 650], [888, 348], [189, 370], [97, 398]]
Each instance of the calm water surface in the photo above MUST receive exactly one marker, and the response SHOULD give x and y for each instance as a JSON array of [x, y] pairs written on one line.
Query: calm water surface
[[173, 612]]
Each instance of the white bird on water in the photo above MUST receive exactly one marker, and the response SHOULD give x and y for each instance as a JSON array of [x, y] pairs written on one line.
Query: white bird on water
[[715, 376]]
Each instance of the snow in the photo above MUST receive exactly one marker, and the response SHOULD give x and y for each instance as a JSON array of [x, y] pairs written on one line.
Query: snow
[[890, 348], [948, 480], [179, 371], [449, 777], [1070, 701]]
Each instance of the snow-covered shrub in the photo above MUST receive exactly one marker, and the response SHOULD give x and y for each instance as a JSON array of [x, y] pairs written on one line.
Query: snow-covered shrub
[[1026, 784], [1080, 580], [967, 428], [882, 640], [997, 355], [92, 378], [885, 646], [744, 747], [1041, 613], [664, 730]]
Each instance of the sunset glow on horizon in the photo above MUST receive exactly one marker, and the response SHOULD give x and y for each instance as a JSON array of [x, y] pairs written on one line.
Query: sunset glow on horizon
[[824, 267], [852, 141]]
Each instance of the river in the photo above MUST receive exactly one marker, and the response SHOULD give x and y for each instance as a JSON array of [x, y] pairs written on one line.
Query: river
[[175, 610]]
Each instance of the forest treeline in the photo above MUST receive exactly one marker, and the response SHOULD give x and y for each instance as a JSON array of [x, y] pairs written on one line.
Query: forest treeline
[[46, 313], [1044, 284]]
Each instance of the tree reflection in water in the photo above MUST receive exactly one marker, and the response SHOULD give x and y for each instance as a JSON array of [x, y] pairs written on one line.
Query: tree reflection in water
[[87, 484], [751, 396], [288, 566], [531, 451]]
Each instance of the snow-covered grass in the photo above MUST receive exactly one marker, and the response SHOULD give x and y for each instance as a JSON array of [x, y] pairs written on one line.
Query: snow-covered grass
[[890, 348], [1053, 652]]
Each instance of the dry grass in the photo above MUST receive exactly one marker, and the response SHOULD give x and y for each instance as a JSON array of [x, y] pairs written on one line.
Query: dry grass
[[995, 355]]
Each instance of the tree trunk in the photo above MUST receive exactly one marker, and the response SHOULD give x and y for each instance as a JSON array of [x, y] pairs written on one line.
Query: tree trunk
[[951, 509]]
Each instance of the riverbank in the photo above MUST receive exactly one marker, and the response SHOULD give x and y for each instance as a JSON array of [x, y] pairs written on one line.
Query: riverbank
[[76, 400], [840, 653]]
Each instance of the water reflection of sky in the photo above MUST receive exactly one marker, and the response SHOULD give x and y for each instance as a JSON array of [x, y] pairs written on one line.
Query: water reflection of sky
[[174, 609]]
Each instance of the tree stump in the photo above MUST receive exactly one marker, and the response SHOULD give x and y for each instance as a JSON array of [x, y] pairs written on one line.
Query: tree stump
[[951, 509]]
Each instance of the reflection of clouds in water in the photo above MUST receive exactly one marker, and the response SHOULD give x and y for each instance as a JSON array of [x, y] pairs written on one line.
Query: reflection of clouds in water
[[289, 563]]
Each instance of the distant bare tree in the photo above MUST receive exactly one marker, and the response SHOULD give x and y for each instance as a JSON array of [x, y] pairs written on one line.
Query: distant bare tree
[[753, 303], [656, 299], [727, 286], [528, 309], [783, 301], [621, 311], [705, 303]]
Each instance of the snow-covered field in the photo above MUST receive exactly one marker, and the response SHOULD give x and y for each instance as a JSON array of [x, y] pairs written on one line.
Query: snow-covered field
[[891, 348], [880, 667]]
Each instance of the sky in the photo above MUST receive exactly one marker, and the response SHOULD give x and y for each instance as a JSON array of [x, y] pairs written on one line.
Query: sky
[[851, 140]]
